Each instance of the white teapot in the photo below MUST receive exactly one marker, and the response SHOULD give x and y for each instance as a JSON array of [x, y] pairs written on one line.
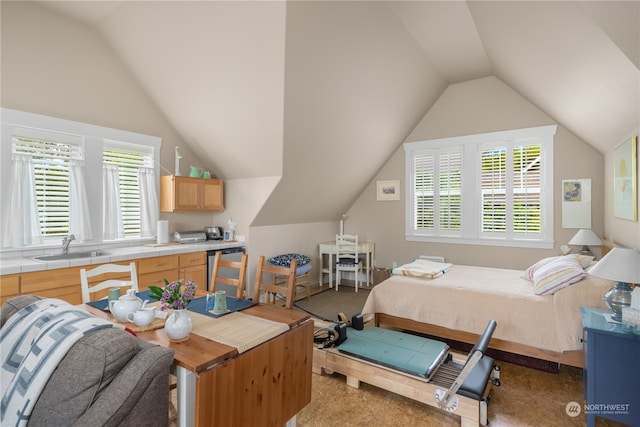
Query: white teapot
[[124, 305]]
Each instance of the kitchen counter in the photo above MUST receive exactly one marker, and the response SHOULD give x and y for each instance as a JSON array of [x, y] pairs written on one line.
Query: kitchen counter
[[23, 262]]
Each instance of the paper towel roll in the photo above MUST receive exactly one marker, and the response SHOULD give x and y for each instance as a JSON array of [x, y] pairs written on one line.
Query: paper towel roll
[[163, 231]]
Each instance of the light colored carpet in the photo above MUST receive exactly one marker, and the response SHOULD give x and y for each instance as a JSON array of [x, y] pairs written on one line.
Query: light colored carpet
[[327, 303]]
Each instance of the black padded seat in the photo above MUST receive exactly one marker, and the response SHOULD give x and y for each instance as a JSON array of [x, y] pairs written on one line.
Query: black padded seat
[[475, 384]]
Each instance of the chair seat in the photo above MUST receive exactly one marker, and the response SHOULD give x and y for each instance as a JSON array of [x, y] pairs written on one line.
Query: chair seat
[[302, 278]]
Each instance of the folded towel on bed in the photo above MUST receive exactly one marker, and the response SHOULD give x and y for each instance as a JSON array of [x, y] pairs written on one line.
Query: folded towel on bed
[[423, 268]]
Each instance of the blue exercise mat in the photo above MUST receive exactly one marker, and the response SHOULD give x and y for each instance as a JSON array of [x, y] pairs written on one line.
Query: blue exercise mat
[[396, 350]]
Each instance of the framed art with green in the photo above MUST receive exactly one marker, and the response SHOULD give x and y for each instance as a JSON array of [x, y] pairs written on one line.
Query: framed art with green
[[625, 178]]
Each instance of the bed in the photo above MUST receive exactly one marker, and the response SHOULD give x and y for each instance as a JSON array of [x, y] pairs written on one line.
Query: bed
[[457, 303]]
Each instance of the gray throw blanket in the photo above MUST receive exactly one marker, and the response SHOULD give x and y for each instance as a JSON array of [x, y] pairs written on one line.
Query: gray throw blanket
[[32, 343]]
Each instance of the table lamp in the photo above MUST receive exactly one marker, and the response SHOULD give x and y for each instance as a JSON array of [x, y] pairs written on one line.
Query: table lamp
[[621, 265], [585, 237]]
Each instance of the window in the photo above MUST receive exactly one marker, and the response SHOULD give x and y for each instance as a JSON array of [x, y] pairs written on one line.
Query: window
[[129, 158], [59, 165], [437, 198], [51, 155], [482, 189]]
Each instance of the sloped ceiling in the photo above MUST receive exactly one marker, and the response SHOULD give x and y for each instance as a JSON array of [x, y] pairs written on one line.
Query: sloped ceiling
[[322, 93]]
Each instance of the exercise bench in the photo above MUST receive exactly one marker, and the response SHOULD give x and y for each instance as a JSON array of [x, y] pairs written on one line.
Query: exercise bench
[[419, 368]]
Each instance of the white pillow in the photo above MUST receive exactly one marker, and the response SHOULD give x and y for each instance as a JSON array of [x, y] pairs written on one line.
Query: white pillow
[[557, 274], [584, 260]]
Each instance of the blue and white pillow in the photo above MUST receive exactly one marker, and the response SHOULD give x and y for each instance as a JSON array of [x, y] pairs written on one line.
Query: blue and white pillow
[[285, 260]]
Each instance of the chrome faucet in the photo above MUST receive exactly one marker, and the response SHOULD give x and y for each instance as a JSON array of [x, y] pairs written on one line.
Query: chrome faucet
[[66, 242]]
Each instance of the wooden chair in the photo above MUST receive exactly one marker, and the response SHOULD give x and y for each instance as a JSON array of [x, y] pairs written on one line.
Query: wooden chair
[[269, 288], [216, 278], [347, 257], [111, 270]]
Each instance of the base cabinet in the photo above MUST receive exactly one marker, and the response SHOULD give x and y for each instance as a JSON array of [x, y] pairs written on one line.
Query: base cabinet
[[64, 283], [154, 271], [193, 267], [612, 371]]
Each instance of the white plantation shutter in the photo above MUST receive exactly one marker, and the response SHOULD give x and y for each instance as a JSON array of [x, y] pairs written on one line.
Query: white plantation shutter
[[423, 191], [449, 190], [437, 185], [527, 201], [493, 184], [511, 189], [129, 158]]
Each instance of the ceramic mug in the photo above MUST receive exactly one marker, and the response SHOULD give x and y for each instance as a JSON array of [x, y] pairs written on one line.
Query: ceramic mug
[[142, 317], [114, 294], [195, 172], [220, 305], [206, 174]]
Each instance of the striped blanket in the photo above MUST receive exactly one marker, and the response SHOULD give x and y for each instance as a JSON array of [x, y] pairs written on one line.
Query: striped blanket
[[32, 343]]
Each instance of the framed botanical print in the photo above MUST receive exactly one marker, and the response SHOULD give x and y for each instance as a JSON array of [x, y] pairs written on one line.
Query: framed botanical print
[[625, 178]]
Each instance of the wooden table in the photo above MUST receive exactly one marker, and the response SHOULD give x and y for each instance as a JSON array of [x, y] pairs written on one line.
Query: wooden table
[[330, 248], [266, 385]]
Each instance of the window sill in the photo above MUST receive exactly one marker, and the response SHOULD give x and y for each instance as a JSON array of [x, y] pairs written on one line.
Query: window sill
[[520, 243]]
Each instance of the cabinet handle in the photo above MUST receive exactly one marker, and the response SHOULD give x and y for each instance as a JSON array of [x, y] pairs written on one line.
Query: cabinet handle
[[158, 265]]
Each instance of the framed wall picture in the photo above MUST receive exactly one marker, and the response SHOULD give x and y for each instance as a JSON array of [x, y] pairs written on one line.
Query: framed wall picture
[[576, 203], [625, 204], [388, 190]]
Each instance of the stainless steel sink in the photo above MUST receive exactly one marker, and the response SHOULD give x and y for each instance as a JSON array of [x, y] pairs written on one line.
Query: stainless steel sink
[[70, 255]]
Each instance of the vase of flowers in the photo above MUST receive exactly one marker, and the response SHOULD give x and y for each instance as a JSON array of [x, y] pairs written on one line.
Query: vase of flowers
[[175, 296]]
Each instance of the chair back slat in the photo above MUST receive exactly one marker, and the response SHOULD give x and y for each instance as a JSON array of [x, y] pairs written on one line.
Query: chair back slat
[[90, 290], [265, 283], [238, 283]]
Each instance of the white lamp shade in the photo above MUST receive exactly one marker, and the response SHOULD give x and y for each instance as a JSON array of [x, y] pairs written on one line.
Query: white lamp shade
[[585, 237], [620, 265]]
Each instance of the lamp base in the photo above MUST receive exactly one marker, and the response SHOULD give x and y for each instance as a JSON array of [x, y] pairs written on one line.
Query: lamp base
[[617, 298], [585, 251]]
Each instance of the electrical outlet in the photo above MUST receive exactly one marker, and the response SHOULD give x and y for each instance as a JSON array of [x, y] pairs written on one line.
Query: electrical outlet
[[240, 238], [394, 264]]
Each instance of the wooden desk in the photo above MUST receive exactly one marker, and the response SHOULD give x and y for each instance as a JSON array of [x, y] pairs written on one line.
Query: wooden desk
[[329, 248], [266, 385]]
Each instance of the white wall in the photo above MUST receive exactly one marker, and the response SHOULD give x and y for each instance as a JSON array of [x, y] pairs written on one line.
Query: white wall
[[483, 105]]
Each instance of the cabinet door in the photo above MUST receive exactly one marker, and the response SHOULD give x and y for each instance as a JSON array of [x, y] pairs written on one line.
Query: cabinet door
[[192, 259], [213, 195], [9, 287], [187, 194], [198, 274], [159, 263]]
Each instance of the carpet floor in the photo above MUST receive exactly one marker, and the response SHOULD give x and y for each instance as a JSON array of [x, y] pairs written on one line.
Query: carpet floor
[[325, 303]]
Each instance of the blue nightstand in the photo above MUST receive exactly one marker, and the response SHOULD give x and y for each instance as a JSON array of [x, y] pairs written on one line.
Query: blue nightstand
[[612, 369]]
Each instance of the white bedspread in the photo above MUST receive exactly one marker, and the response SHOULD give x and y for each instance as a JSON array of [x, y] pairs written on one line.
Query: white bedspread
[[465, 298]]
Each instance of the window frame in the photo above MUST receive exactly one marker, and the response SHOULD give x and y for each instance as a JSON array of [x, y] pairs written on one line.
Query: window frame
[[471, 230], [93, 139]]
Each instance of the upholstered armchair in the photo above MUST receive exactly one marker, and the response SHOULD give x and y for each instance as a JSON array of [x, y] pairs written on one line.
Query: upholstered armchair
[[107, 378]]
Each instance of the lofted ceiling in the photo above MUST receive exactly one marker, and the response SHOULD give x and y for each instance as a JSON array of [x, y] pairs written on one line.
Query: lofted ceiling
[[322, 93]]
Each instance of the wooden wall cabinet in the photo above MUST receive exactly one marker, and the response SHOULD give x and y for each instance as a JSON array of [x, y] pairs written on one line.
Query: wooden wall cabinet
[[181, 193]]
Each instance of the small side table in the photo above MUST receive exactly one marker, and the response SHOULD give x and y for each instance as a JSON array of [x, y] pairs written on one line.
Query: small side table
[[612, 369]]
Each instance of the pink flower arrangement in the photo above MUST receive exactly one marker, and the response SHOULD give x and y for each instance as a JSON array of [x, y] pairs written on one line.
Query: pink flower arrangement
[[174, 295]]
